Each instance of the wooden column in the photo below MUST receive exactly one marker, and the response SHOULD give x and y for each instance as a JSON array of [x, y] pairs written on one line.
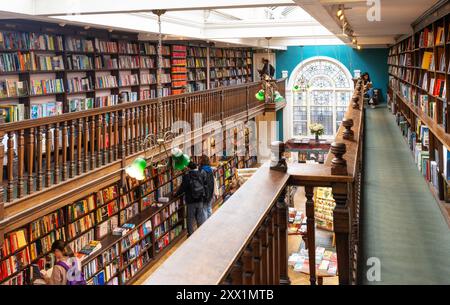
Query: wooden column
[[276, 246], [263, 236], [283, 215], [341, 225], [249, 271], [237, 273], [48, 156], [56, 145], [257, 261], [311, 233], [122, 134], [338, 164], [271, 251]]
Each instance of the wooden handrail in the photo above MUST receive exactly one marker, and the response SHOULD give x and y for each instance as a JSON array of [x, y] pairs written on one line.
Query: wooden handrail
[[50, 160], [252, 225]]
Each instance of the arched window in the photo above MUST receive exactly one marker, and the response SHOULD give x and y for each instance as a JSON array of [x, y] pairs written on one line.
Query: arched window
[[327, 85]]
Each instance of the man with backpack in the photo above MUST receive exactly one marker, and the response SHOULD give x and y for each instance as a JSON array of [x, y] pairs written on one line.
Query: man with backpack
[[193, 185]]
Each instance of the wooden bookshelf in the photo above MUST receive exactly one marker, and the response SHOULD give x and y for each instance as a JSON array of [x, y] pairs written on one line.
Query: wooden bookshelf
[[91, 57], [418, 94]]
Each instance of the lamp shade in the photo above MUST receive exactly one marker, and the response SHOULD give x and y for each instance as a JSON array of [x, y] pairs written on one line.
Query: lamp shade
[[180, 160], [278, 97], [260, 95], [136, 169]]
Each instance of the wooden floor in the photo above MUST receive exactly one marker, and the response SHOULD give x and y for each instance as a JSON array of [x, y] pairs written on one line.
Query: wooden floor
[[294, 241]]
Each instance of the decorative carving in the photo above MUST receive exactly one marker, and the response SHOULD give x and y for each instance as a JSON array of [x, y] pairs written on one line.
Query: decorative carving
[[348, 132], [355, 102], [338, 164], [277, 161]]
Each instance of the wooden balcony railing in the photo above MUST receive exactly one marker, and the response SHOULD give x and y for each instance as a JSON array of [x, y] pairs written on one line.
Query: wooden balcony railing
[[245, 241], [56, 155]]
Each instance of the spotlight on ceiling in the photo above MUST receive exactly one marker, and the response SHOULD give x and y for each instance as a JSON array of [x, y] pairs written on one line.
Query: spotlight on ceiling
[[87, 27], [358, 47], [341, 17], [354, 41], [110, 30], [62, 24]]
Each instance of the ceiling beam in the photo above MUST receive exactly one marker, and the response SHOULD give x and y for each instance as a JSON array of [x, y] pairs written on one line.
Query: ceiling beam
[[85, 7]]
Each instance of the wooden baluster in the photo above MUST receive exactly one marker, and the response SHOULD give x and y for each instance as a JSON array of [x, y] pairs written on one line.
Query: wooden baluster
[[132, 137], [237, 273], [80, 147], [283, 215], [248, 267], [257, 258], [98, 140], [2, 204], [116, 135], [341, 224], [92, 140], [311, 234], [86, 144], [39, 169], [48, 155], [56, 170], [111, 137], [147, 123], [30, 159], [271, 250], [21, 163], [72, 149], [137, 129], [122, 134], [64, 151], [104, 140], [10, 167], [127, 132], [276, 245]]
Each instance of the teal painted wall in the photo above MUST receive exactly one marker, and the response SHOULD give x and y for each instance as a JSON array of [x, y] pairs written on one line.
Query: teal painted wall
[[373, 61]]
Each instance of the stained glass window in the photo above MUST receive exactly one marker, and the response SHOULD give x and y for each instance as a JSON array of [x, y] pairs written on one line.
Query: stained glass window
[[326, 98]]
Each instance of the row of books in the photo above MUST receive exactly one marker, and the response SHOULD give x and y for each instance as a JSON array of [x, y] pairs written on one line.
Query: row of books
[[129, 62], [46, 109], [30, 41], [426, 38], [197, 52], [103, 46], [129, 80], [80, 84], [81, 208], [17, 61], [79, 62], [46, 224], [12, 88], [196, 63], [74, 44], [128, 48], [106, 62], [46, 86]]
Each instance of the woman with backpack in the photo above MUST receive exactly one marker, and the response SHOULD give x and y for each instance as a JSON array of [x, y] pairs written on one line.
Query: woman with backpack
[[66, 270], [193, 186], [206, 169]]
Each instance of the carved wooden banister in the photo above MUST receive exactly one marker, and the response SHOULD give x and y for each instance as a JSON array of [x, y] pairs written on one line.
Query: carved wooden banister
[[251, 225]]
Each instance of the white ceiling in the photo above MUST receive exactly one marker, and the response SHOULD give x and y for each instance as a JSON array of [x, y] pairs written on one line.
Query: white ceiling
[[396, 18], [243, 22]]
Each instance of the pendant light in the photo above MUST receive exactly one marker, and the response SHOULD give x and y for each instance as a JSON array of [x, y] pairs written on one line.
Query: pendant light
[[136, 169]]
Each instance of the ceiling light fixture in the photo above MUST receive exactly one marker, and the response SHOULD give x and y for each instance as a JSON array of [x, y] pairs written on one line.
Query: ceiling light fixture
[[341, 17], [354, 40], [358, 47], [87, 27], [340, 12]]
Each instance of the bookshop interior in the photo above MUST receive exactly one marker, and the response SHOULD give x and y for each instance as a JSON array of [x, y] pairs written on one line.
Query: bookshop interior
[[208, 142]]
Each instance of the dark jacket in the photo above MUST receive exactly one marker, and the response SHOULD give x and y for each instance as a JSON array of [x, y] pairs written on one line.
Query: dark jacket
[[208, 172], [185, 187], [267, 69]]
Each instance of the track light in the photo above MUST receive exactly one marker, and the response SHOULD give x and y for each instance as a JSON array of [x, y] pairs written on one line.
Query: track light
[[87, 27], [339, 12], [358, 47], [354, 41], [341, 18]]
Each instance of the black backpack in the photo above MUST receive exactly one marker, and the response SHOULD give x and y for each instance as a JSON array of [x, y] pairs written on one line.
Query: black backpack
[[197, 186]]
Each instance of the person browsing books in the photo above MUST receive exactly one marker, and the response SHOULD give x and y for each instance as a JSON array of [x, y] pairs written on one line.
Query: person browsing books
[[66, 270], [267, 69], [369, 92], [207, 171], [193, 186]]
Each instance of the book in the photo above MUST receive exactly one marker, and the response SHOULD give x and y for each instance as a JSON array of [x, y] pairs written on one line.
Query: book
[[427, 59]]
